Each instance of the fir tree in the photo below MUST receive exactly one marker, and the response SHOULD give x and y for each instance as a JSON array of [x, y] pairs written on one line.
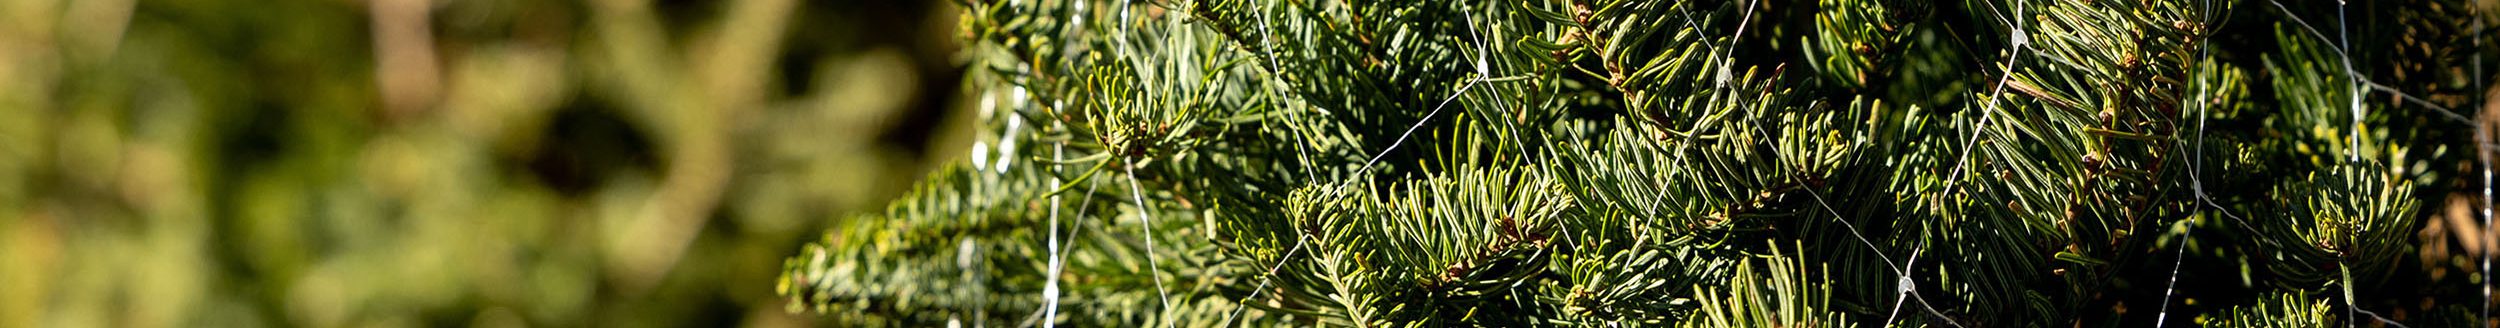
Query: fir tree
[[1741, 163]]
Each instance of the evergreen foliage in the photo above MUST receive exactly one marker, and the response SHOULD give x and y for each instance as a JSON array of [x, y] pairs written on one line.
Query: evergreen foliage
[[1741, 163]]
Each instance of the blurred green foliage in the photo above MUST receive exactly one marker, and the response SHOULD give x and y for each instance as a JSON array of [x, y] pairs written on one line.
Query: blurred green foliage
[[448, 162]]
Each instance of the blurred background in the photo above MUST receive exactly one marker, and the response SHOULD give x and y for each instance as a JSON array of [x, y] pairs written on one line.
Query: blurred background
[[384, 163]]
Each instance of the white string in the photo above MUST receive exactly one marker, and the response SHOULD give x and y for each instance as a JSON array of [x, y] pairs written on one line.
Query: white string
[[1124, 6], [1270, 275], [2408, 97], [2362, 83], [1007, 142], [1907, 287], [2366, 78], [2365, 82], [2359, 83], [1393, 146], [1900, 270], [1903, 288], [1267, 41], [1301, 238], [2177, 262], [1719, 86], [2021, 38], [1410, 131], [2195, 162], [1058, 252], [2373, 316], [1082, 209], [1728, 59], [1145, 214], [2354, 152], [2483, 156], [1050, 282], [2344, 35], [1367, 165], [1484, 72], [1144, 211]]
